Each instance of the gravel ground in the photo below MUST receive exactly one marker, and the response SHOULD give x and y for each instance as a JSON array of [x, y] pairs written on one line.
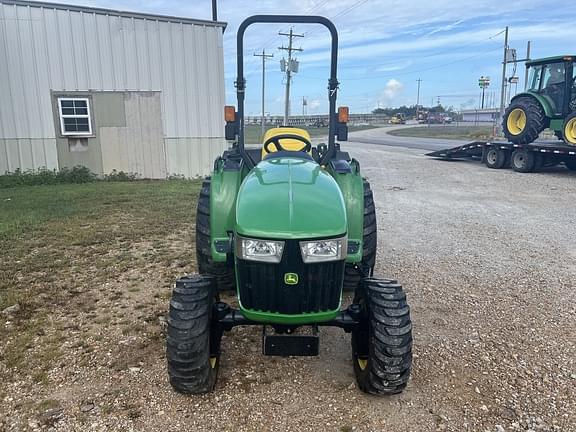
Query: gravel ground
[[487, 258]]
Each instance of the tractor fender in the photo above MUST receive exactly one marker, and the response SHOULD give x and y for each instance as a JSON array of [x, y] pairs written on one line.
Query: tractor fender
[[539, 98], [352, 188]]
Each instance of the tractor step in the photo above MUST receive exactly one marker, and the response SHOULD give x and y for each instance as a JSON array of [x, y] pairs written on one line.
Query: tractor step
[[286, 345]]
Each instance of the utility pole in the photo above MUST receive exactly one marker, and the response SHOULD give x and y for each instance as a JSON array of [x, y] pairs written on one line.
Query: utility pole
[[418, 98], [304, 105], [290, 66], [503, 88], [264, 57], [527, 58]]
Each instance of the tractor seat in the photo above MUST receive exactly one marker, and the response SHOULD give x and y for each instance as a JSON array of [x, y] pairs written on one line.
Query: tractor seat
[[287, 143]]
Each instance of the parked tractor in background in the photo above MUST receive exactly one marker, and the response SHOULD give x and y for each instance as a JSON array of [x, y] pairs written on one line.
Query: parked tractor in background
[[288, 225], [549, 101]]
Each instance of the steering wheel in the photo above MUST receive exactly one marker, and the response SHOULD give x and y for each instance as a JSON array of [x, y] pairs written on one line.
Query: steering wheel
[[307, 145]]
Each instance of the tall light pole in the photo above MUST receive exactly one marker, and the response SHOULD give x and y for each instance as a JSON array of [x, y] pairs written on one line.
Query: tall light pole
[[264, 57], [483, 83], [289, 67]]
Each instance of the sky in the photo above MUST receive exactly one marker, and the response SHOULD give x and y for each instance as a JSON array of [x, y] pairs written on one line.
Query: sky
[[385, 46]]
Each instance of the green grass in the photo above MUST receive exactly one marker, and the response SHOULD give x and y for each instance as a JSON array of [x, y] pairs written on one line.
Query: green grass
[[253, 132], [58, 243], [445, 132]]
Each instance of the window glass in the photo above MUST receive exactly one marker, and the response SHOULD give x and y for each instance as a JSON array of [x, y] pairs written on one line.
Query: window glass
[[534, 79], [553, 74], [75, 116]]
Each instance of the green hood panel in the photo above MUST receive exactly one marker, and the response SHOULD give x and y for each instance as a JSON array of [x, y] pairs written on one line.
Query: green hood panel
[[290, 198]]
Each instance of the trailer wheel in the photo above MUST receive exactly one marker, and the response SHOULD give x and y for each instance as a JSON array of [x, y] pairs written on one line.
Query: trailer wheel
[[523, 161], [193, 341], [225, 278], [382, 342], [497, 158]]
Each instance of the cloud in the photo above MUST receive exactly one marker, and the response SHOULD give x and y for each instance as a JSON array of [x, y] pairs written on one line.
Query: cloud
[[391, 90]]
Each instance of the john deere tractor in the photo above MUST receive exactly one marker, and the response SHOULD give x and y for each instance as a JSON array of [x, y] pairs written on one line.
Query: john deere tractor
[[288, 226], [548, 102]]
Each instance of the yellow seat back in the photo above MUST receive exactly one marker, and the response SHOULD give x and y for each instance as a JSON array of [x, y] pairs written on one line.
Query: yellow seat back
[[289, 144]]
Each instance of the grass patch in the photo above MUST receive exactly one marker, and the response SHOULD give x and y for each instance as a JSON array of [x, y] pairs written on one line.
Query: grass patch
[[445, 132], [253, 132], [61, 244]]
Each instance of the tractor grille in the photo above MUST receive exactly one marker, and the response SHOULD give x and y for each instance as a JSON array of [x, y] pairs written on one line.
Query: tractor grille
[[262, 287]]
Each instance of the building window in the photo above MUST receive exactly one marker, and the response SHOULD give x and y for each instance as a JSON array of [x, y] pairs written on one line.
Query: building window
[[74, 116]]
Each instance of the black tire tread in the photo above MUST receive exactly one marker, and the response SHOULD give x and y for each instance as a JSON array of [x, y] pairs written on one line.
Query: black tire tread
[[188, 338], [535, 120], [224, 274], [353, 275], [390, 338]]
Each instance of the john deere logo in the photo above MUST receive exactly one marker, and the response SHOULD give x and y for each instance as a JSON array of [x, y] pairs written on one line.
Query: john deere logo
[[290, 278]]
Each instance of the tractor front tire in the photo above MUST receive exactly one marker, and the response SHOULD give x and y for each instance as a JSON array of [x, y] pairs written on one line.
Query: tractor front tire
[[353, 273], [523, 121], [569, 129], [382, 342], [224, 273], [193, 341]]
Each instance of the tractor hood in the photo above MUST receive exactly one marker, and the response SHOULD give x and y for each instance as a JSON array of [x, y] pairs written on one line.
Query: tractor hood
[[290, 198]]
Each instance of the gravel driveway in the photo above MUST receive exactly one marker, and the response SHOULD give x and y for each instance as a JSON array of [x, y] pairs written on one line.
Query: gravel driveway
[[488, 259]]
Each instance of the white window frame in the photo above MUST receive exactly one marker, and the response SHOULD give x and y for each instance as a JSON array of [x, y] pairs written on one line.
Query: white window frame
[[63, 116]]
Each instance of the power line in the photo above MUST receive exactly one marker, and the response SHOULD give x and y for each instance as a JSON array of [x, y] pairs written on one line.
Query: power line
[[410, 72]]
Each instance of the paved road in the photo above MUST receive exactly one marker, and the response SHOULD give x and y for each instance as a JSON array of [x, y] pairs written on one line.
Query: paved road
[[380, 136]]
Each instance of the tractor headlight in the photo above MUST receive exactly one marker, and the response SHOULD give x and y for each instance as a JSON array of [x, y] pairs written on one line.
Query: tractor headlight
[[324, 250], [259, 250]]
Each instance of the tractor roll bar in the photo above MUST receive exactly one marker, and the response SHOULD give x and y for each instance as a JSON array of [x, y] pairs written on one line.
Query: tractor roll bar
[[332, 82]]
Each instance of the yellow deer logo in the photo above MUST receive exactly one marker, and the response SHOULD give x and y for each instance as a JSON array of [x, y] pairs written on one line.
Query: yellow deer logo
[[290, 278]]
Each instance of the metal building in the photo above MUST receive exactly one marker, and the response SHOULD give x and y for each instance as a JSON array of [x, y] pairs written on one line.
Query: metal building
[[109, 90]]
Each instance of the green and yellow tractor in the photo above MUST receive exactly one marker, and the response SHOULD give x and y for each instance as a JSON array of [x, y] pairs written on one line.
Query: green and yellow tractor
[[288, 225], [549, 101]]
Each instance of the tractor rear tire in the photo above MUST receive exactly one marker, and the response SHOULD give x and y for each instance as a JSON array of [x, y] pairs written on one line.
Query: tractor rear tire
[[497, 158], [524, 161], [353, 273], [224, 273], [382, 343], [193, 342], [524, 131]]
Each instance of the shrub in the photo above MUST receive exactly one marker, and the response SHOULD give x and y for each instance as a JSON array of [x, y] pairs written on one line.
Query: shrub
[[120, 176], [43, 176]]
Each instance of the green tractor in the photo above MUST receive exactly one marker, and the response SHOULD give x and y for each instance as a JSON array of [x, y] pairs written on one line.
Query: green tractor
[[548, 102], [288, 226]]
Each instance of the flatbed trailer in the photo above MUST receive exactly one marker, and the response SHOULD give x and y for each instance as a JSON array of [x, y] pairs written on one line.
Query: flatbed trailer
[[520, 157]]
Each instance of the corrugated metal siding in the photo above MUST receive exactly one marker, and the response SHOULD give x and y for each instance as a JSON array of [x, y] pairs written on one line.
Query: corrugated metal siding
[[191, 155], [45, 48], [25, 153]]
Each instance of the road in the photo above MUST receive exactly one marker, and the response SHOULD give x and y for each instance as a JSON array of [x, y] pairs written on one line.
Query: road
[[380, 136]]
